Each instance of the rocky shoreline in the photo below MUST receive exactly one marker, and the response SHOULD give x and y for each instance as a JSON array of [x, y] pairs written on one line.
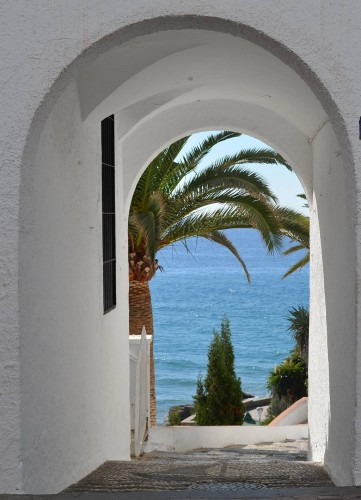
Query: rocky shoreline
[[180, 413]]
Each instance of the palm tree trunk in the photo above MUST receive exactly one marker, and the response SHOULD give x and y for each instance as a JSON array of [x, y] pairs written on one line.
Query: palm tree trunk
[[140, 313]]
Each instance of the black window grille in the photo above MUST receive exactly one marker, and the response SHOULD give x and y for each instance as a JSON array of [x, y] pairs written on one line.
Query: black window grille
[[108, 209]]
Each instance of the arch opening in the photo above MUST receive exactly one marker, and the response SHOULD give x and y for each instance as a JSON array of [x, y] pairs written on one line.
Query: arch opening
[[177, 82], [191, 271]]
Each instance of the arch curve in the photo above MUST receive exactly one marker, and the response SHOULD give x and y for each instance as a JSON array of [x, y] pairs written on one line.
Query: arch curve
[[145, 27], [171, 124], [59, 210]]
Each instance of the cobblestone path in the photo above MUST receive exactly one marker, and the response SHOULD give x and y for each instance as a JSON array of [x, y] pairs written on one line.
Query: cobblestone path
[[264, 466]]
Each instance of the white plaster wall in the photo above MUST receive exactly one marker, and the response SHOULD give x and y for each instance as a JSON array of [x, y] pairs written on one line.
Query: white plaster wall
[[319, 398], [195, 66], [74, 375], [333, 341], [167, 125], [43, 46], [183, 439]]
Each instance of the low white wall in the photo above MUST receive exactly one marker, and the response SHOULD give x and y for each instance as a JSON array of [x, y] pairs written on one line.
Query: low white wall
[[182, 439]]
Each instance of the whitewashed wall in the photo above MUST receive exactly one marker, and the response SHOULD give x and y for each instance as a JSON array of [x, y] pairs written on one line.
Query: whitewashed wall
[[63, 365], [183, 439], [333, 342], [73, 412]]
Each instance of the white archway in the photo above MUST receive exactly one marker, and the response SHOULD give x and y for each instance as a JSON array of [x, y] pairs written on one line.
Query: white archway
[[160, 86], [213, 80]]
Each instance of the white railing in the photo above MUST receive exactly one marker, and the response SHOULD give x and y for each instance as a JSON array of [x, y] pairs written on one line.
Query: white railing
[[139, 350]]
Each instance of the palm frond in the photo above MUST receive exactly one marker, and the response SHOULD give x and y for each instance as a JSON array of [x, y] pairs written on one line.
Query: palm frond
[[258, 213], [174, 200], [147, 226], [230, 177], [197, 153], [298, 266], [296, 226], [250, 156], [193, 158], [243, 200], [234, 212], [220, 238], [167, 164], [303, 197], [293, 249]]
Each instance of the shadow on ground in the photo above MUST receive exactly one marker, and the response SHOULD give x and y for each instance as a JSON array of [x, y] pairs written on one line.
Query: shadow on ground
[[232, 469]]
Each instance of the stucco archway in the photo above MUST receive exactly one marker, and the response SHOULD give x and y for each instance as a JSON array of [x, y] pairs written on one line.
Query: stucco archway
[[160, 86]]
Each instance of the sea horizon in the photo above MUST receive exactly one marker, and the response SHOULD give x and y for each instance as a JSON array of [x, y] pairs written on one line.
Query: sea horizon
[[201, 283]]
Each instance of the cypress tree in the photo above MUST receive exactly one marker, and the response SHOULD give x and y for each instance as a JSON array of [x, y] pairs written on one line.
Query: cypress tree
[[218, 400]]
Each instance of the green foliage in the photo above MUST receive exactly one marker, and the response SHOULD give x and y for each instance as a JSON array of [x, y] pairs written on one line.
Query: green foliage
[[288, 381], [299, 326], [174, 418], [200, 403], [297, 228], [166, 204], [218, 400]]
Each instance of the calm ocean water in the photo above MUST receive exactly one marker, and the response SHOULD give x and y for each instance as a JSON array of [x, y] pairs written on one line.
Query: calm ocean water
[[197, 289]]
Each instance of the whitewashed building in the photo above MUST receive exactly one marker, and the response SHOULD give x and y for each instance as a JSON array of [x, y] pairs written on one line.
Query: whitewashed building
[[284, 71]]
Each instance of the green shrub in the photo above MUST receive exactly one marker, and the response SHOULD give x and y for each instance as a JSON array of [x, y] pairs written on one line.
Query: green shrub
[[288, 380], [174, 418], [299, 326], [218, 400], [287, 383]]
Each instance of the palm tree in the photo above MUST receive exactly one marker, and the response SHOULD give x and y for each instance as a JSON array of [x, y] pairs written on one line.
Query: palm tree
[[175, 200], [299, 320]]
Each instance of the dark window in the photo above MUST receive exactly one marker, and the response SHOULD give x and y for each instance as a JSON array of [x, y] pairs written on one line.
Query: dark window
[[108, 204]]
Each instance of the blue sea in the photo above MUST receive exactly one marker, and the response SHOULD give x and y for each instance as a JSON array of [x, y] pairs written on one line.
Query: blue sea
[[199, 285]]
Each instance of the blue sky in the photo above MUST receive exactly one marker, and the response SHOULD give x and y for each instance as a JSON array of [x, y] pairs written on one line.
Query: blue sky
[[284, 184]]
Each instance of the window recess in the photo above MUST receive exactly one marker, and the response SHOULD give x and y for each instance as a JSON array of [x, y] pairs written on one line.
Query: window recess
[[108, 210]]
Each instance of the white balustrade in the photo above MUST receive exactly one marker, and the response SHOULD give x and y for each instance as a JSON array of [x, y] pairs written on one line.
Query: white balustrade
[[139, 351]]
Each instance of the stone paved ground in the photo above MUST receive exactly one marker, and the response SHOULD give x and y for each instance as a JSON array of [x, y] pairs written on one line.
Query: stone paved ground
[[233, 469]]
